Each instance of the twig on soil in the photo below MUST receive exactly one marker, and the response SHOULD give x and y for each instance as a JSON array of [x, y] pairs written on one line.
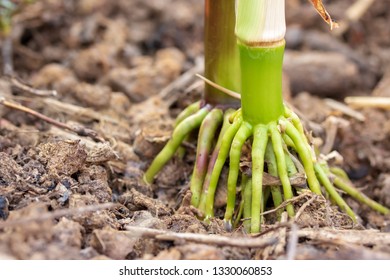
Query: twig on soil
[[368, 102], [216, 240], [78, 129], [304, 206], [274, 228], [58, 214], [286, 202], [26, 88], [75, 110], [361, 237], [335, 105]]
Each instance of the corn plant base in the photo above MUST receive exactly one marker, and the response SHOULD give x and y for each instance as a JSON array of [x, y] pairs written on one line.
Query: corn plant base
[[277, 145]]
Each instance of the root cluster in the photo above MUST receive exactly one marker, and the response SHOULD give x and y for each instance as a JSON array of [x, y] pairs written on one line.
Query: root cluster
[[280, 148]]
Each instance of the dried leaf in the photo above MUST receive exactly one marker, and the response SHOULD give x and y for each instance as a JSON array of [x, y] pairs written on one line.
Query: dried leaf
[[297, 180], [324, 14]]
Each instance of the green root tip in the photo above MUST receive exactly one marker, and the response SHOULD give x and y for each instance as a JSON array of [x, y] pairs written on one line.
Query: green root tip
[[331, 190], [179, 133], [147, 180], [228, 225], [359, 196]]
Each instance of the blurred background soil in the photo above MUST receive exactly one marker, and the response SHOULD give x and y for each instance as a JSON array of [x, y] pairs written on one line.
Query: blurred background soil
[[122, 71]]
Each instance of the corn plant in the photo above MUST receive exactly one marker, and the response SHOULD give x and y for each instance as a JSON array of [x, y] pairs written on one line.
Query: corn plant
[[279, 142]]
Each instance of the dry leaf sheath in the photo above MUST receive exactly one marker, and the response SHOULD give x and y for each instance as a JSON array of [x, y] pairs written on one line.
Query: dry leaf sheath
[[319, 6]]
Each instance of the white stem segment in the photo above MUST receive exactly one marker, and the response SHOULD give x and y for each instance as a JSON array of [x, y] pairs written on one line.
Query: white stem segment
[[260, 22]]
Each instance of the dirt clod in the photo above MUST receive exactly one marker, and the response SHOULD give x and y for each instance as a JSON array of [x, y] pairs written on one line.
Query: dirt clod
[[62, 158], [136, 201], [112, 243]]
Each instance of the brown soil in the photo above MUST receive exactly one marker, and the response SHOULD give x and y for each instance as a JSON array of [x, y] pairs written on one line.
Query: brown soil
[[122, 72]]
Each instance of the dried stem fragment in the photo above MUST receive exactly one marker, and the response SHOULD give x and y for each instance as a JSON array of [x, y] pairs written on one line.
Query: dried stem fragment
[[202, 238]]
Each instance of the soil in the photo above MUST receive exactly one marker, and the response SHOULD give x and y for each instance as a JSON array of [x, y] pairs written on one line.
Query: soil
[[123, 70]]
